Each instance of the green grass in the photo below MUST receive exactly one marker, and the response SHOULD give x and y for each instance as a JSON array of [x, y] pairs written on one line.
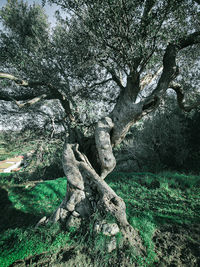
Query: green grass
[[22, 243], [40, 199], [167, 197], [21, 208], [152, 200]]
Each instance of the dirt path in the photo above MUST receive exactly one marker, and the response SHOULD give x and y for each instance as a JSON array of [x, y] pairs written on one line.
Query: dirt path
[[11, 164]]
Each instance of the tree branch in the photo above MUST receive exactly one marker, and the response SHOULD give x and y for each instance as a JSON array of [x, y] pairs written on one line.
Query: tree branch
[[21, 82], [147, 8], [115, 78], [30, 102], [99, 83], [104, 147], [170, 69], [147, 79], [55, 94], [145, 16], [180, 97], [191, 39]]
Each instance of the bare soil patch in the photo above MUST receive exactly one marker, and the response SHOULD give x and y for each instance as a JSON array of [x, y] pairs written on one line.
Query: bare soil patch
[[178, 245]]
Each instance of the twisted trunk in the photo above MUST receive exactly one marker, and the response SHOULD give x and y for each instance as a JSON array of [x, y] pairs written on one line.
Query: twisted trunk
[[86, 164], [86, 167]]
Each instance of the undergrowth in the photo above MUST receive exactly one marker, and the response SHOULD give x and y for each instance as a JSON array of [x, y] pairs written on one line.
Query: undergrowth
[[151, 200], [42, 154]]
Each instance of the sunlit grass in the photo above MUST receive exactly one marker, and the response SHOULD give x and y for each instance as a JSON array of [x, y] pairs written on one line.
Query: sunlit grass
[[40, 199], [24, 206]]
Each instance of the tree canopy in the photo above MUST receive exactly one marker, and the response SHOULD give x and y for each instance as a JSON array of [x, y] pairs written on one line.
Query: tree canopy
[[103, 48]]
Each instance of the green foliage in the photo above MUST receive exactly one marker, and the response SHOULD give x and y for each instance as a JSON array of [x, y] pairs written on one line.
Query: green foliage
[[119, 35], [96, 45], [28, 23], [25, 39]]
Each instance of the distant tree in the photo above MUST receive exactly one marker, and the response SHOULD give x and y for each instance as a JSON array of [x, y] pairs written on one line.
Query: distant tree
[[121, 52]]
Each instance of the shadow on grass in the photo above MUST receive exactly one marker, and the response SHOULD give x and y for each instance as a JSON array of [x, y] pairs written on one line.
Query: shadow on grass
[[12, 217], [39, 199]]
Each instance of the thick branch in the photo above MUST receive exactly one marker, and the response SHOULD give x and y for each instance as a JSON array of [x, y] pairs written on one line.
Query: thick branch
[[104, 147], [180, 97], [23, 97], [126, 112], [191, 39], [170, 70], [64, 102], [148, 79], [132, 86]]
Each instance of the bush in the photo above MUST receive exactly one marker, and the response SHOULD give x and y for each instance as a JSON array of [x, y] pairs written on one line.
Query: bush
[[165, 140]]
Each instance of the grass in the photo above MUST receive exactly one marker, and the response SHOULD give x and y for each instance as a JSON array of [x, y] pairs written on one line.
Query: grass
[[22, 243], [40, 199], [151, 200], [22, 207], [166, 197]]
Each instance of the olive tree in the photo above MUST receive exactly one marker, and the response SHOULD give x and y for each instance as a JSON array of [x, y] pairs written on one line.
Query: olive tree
[[123, 53]]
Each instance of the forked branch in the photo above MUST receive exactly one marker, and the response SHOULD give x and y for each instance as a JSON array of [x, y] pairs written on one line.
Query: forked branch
[[104, 146]]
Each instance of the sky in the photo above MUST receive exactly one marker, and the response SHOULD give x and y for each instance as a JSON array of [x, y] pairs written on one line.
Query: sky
[[50, 9]]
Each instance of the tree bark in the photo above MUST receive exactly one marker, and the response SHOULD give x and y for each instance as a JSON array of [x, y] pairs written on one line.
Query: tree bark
[[87, 191]]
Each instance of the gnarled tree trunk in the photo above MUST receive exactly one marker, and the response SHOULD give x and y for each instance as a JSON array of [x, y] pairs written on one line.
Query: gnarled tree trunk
[[87, 191], [86, 170]]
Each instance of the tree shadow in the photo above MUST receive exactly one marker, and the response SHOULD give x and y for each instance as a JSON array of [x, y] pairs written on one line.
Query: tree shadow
[[39, 199], [12, 217]]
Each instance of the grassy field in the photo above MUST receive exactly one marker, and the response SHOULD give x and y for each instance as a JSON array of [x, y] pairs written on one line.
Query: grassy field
[[156, 205]]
